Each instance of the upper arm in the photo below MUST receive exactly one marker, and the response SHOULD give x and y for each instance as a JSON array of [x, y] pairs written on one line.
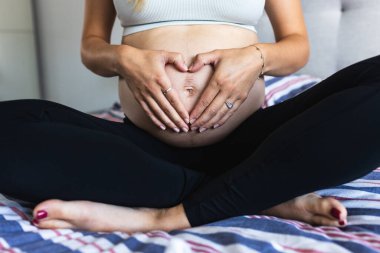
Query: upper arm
[[99, 18], [286, 17]]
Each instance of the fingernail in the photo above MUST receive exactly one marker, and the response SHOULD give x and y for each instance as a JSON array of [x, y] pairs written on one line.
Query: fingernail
[[35, 222], [335, 213], [194, 128], [190, 67], [216, 126], [42, 214], [185, 129], [187, 120], [177, 129], [202, 129], [163, 127], [342, 223], [192, 121]]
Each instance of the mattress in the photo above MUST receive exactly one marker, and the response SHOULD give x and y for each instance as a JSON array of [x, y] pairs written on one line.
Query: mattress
[[247, 233]]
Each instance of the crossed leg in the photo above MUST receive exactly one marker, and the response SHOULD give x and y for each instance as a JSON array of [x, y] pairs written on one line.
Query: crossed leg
[[93, 216], [310, 208]]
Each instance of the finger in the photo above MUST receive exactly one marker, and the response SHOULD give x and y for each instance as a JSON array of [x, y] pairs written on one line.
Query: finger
[[177, 60], [205, 100], [173, 104], [224, 110], [215, 108], [151, 115], [155, 107], [204, 59], [174, 100], [169, 110], [229, 113], [148, 111]]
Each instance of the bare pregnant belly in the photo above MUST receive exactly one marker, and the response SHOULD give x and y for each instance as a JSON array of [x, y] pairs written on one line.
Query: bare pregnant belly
[[190, 41]]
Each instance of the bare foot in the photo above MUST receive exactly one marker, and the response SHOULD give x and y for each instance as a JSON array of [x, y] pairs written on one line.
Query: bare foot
[[94, 216], [313, 209]]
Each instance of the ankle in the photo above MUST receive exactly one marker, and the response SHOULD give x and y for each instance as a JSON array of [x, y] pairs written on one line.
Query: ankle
[[172, 218]]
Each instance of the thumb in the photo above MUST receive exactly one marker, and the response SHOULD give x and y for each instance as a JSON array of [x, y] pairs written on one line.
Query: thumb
[[177, 60], [204, 59]]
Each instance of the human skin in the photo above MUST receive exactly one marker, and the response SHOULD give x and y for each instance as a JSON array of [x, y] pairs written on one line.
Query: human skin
[[224, 62], [190, 41], [205, 65]]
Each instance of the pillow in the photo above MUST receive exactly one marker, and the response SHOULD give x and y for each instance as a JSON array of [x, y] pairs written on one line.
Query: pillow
[[277, 90]]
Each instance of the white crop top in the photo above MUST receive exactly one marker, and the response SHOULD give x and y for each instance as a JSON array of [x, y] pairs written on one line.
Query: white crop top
[[157, 13]]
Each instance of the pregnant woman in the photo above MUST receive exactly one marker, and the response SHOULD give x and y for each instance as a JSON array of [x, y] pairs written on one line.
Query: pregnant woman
[[195, 146]]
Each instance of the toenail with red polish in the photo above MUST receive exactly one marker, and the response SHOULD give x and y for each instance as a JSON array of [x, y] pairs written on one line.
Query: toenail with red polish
[[335, 213], [342, 223], [35, 222], [41, 214]]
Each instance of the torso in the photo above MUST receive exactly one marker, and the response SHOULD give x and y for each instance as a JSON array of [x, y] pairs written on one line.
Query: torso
[[190, 40]]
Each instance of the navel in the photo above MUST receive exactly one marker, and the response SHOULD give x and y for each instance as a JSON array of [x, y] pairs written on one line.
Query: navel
[[190, 90], [190, 84]]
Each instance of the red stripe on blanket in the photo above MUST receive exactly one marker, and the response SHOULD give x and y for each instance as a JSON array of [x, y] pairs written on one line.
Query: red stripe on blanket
[[282, 87], [302, 250], [331, 232], [84, 243], [196, 244]]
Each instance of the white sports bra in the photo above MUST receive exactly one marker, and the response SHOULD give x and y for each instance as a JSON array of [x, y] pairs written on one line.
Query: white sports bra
[[157, 13]]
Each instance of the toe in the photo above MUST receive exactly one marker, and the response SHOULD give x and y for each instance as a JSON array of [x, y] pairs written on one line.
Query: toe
[[329, 208], [321, 220], [55, 224], [68, 213], [53, 209], [44, 210], [334, 209]]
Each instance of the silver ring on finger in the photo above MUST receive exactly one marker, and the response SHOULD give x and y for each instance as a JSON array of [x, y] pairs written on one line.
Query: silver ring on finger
[[167, 90], [229, 104]]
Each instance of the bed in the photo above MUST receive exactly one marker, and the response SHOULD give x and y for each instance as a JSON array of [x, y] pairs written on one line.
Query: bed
[[247, 233], [332, 25]]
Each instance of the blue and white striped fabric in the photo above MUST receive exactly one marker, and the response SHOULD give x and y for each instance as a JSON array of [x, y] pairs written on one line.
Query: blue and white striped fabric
[[279, 89], [249, 233]]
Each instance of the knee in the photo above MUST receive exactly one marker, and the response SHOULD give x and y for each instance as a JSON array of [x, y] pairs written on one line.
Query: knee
[[26, 103], [375, 60], [24, 108], [369, 72]]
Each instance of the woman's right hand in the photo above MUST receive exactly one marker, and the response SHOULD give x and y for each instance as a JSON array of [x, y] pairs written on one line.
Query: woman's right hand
[[144, 71]]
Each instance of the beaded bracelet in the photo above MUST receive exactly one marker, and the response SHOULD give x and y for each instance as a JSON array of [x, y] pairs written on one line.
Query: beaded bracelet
[[261, 76]]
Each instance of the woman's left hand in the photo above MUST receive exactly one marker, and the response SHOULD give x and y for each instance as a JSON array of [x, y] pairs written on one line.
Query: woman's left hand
[[236, 71]]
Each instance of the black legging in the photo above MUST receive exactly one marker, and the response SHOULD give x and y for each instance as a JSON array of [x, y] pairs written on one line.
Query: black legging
[[324, 137]]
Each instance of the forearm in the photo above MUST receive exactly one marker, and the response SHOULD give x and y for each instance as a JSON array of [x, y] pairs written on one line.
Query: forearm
[[101, 57], [285, 56]]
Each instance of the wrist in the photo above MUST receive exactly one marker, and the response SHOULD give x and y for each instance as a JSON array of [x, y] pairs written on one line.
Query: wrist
[[264, 48], [122, 54], [260, 54]]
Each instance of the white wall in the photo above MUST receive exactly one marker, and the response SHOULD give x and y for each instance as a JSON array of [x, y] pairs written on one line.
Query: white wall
[[65, 79], [18, 68]]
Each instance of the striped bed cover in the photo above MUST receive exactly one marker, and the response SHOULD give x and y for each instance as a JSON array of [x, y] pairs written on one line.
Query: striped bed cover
[[249, 233]]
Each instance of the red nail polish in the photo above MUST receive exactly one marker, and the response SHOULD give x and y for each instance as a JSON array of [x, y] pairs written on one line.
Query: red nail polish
[[342, 223], [335, 213], [35, 222], [42, 214]]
